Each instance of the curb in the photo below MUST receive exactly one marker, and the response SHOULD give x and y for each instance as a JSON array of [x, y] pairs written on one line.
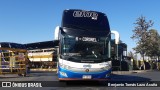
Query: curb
[[43, 69], [129, 72]]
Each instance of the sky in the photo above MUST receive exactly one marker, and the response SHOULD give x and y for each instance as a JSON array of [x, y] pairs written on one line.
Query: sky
[[28, 21]]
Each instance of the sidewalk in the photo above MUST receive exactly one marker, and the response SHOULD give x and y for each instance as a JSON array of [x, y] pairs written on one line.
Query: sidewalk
[[130, 72]]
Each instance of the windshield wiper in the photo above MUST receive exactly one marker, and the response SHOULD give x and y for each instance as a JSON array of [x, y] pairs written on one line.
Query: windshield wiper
[[94, 54]]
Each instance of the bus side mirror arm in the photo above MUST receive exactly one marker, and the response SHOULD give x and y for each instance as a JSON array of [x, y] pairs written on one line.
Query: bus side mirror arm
[[56, 33], [117, 37]]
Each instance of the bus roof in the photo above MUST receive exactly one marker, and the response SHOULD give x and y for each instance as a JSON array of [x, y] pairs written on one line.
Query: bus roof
[[90, 20]]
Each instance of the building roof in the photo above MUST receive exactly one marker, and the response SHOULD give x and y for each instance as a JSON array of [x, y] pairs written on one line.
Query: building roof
[[42, 45], [12, 45]]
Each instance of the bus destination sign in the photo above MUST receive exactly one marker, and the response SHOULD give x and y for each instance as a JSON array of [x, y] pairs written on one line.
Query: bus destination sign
[[90, 39], [88, 14]]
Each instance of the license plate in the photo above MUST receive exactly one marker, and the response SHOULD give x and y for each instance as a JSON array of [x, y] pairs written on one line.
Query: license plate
[[87, 76]]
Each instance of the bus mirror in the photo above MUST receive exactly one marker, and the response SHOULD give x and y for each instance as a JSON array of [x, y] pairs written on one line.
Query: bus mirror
[[56, 33], [117, 37]]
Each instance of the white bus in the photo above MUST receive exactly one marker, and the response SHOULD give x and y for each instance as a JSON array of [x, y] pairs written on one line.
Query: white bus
[[84, 46]]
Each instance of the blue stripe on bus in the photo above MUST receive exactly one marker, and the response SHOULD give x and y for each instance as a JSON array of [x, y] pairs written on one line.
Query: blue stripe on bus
[[95, 75]]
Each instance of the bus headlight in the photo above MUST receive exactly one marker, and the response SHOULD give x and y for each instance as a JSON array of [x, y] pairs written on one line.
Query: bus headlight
[[63, 74], [65, 66], [106, 67]]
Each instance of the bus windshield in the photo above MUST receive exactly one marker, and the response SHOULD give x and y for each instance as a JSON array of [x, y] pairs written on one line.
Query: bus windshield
[[84, 49]]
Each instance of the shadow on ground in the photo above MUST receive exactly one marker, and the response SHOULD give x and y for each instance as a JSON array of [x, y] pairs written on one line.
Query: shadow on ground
[[32, 74], [114, 79]]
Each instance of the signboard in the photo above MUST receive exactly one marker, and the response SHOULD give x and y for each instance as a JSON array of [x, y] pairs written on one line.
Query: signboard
[[92, 15], [90, 39]]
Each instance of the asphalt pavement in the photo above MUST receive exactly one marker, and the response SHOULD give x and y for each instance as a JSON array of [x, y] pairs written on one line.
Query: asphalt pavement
[[52, 80]]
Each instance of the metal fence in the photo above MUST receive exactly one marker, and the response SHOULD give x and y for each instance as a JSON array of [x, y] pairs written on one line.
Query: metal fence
[[13, 61]]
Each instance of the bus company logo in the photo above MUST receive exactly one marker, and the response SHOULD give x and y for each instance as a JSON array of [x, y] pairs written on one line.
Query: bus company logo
[[93, 15], [6, 84], [87, 70]]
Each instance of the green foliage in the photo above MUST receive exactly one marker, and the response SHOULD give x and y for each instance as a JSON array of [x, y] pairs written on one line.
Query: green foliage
[[132, 55], [148, 41], [140, 31], [140, 34], [153, 43]]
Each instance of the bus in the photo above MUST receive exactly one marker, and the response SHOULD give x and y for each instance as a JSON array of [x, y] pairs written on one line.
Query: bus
[[84, 50], [41, 58]]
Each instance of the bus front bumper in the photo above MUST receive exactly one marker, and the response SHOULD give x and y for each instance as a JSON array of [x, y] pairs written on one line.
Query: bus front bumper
[[66, 75]]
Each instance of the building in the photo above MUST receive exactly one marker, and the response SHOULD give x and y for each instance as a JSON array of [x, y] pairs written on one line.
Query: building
[[41, 54]]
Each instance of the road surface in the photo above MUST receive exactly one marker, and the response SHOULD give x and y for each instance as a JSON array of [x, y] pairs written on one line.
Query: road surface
[[50, 79]]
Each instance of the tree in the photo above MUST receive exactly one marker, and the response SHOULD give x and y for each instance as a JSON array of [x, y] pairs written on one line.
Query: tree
[[132, 55], [140, 35], [153, 43]]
